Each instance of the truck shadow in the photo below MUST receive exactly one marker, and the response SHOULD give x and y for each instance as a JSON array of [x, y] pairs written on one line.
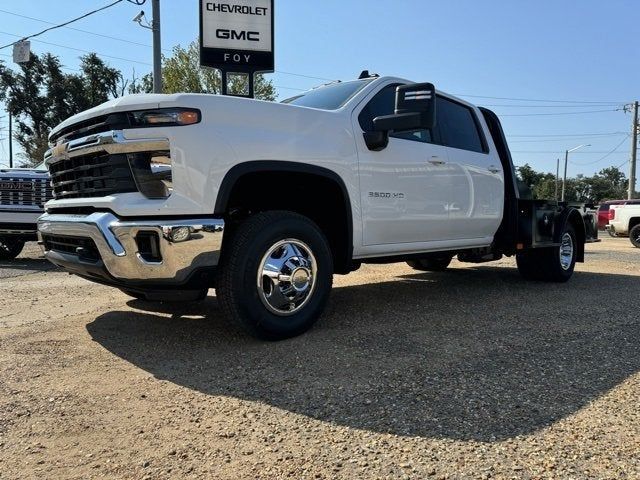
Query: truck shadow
[[20, 266], [474, 353]]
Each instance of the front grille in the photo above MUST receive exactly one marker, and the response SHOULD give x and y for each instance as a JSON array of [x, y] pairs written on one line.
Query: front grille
[[93, 175], [25, 191], [80, 246]]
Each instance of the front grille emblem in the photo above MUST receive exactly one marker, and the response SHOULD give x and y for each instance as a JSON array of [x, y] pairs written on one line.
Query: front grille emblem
[[17, 186]]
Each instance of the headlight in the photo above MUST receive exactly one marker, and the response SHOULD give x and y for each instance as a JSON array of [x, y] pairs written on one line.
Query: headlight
[[152, 173], [164, 117]]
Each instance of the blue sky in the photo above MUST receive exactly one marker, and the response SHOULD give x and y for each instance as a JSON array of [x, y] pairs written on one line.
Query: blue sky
[[559, 52]]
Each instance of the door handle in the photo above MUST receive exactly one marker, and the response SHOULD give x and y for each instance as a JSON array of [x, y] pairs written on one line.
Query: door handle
[[493, 169], [436, 161]]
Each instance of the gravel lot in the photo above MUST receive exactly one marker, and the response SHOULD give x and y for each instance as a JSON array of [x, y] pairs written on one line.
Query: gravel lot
[[471, 373]]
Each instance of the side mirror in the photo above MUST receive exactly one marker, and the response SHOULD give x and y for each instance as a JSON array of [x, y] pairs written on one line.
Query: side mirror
[[415, 109]]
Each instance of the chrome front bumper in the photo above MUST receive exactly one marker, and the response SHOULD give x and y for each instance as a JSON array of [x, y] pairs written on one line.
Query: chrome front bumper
[[181, 253]]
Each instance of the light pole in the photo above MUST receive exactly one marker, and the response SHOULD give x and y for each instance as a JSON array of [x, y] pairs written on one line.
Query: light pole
[[566, 160]]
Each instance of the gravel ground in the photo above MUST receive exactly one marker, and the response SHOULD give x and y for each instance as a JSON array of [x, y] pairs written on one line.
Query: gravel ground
[[471, 373]]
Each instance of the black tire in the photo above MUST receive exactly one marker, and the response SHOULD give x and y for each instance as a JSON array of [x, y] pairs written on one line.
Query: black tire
[[431, 264], [634, 236], [545, 264], [244, 253], [10, 247]]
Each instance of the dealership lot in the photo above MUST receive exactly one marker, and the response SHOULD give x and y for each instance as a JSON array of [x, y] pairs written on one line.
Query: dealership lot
[[471, 373]]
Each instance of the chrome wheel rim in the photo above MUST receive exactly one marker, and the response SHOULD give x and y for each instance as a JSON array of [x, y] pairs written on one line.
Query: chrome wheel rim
[[566, 251], [287, 277]]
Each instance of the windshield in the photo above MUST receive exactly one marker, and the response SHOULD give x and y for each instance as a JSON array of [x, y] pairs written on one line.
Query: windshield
[[330, 97]]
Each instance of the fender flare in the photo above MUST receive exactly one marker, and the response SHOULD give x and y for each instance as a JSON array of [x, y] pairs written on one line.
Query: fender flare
[[272, 166]]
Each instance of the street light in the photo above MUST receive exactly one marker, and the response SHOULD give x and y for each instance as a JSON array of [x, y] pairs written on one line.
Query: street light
[[566, 160]]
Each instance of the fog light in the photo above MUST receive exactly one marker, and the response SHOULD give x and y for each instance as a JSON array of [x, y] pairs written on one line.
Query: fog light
[[180, 234]]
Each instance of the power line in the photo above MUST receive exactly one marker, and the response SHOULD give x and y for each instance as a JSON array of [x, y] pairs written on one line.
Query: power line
[[82, 31], [71, 21], [555, 151], [82, 50], [555, 113], [540, 100], [306, 76], [551, 140], [605, 156], [552, 106], [571, 135], [291, 88]]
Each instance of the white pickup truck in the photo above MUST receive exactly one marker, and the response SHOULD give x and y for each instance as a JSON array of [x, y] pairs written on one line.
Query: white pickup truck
[[625, 220], [266, 201], [23, 193]]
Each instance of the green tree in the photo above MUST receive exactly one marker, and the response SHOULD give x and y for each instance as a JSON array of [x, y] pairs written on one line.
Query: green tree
[[181, 72], [528, 175], [608, 184], [40, 96]]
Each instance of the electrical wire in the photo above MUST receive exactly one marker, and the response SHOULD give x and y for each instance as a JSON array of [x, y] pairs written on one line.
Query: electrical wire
[[555, 113], [70, 21], [82, 31], [551, 106], [605, 156], [570, 135], [595, 103], [82, 50], [623, 164], [592, 152], [546, 141]]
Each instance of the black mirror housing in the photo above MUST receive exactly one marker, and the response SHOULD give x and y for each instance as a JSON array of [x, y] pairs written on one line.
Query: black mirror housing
[[415, 109]]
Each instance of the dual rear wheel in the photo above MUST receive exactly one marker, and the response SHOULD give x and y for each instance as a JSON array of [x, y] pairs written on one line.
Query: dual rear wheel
[[555, 264]]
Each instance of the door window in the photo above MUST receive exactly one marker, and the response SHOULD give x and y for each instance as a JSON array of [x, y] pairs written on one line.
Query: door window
[[459, 126]]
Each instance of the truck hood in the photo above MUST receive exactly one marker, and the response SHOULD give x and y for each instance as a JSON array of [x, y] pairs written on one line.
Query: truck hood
[[26, 173], [151, 100], [130, 102]]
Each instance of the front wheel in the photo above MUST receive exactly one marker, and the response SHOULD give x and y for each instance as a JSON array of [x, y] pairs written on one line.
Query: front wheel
[[555, 264], [10, 247], [275, 275], [634, 236]]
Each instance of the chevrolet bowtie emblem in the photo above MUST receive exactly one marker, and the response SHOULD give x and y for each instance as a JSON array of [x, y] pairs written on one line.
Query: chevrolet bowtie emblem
[[59, 150]]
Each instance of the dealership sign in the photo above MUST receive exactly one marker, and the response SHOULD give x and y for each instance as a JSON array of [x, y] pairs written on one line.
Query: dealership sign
[[237, 35]]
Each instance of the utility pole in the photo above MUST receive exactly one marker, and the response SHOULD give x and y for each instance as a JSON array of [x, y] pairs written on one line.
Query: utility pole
[[10, 143], [634, 152], [564, 179], [557, 177], [157, 50]]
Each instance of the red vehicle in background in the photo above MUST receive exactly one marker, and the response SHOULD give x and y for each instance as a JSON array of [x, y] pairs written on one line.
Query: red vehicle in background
[[603, 210]]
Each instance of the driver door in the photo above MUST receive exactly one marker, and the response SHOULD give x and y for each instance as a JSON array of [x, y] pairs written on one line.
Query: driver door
[[405, 188]]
